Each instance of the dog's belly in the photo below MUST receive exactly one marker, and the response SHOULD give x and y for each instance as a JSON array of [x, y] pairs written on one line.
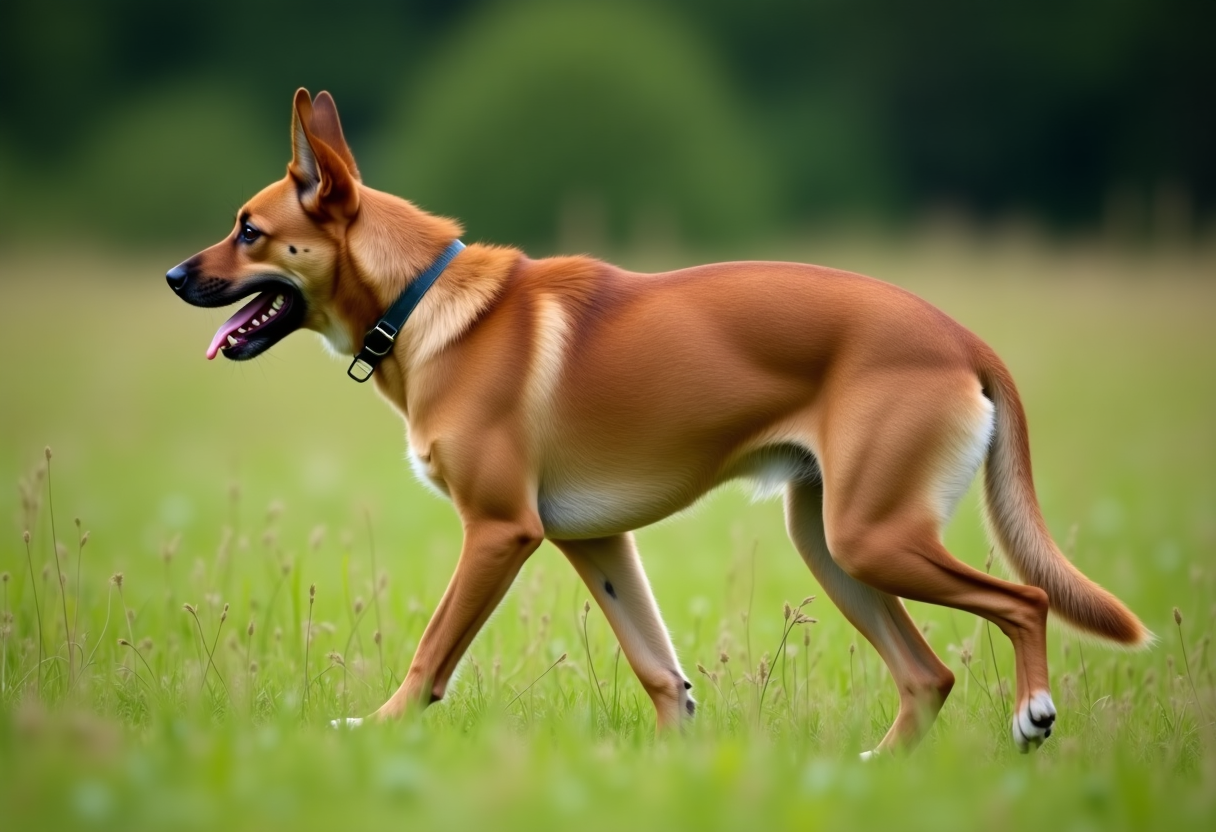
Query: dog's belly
[[588, 510]]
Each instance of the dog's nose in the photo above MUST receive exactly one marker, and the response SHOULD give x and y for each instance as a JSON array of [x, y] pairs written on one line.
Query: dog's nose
[[177, 277]]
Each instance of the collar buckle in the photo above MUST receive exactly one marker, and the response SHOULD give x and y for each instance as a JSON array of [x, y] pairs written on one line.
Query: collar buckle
[[379, 340], [360, 370]]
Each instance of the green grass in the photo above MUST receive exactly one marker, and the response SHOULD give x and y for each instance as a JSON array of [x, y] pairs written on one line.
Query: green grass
[[218, 484]]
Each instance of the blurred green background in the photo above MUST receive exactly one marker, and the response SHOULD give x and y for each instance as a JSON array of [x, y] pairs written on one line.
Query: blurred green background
[[554, 124], [1043, 172]]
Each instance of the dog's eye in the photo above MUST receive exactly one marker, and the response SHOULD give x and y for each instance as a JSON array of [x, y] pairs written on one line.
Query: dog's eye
[[249, 233]]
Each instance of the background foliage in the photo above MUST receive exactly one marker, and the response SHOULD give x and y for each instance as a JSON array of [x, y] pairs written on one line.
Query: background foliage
[[585, 121]]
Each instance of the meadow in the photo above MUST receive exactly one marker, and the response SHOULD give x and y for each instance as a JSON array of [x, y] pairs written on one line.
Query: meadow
[[223, 557]]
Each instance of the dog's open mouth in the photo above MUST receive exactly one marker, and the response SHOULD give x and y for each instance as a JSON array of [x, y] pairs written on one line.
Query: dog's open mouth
[[272, 315]]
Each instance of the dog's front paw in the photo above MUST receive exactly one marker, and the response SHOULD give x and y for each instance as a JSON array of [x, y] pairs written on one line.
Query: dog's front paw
[[348, 722], [1033, 721]]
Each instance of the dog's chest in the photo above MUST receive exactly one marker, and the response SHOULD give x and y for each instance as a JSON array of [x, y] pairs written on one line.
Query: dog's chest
[[426, 472]]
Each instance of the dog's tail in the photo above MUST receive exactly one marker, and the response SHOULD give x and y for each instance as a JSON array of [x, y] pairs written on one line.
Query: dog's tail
[[1017, 526]]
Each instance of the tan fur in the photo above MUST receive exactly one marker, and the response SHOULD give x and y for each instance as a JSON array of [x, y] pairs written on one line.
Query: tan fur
[[571, 400]]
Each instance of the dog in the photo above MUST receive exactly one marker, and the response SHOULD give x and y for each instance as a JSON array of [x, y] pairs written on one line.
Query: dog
[[568, 400]]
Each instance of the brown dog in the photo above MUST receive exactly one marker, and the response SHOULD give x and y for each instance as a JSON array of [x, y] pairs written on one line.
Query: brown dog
[[566, 399]]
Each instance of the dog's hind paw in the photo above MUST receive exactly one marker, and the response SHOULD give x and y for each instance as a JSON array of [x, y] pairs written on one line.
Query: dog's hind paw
[[1033, 721], [348, 722]]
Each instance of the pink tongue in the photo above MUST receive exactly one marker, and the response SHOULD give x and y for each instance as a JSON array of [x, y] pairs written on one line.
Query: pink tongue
[[246, 314]]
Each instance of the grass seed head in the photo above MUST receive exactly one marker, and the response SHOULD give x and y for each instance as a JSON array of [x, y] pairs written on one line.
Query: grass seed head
[[26, 536], [724, 657], [188, 607], [47, 452], [358, 604], [316, 538], [335, 658], [3, 577], [786, 611], [1178, 616], [116, 579], [312, 592], [249, 629], [376, 638]]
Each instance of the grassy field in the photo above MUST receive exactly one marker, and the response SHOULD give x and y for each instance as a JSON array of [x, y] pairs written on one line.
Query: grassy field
[[234, 489]]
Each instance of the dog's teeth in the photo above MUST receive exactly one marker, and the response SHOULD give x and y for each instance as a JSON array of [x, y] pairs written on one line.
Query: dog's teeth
[[241, 330], [232, 342], [278, 302], [273, 312], [265, 318], [255, 322]]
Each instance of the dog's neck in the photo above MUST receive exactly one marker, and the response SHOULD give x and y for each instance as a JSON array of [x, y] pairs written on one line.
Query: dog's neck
[[388, 246]]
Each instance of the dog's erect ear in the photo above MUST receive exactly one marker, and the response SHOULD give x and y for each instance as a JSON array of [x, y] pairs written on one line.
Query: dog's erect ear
[[328, 188], [326, 126]]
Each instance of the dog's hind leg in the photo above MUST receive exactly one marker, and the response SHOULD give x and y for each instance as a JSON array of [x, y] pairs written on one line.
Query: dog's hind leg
[[923, 681], [613, 572], [891, 468]]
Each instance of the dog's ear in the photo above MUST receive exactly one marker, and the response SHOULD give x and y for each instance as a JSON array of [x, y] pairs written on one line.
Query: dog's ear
[[327, 187], [326, 126]]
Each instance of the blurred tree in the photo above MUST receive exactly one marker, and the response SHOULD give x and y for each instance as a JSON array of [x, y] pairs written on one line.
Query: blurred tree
[[1043, 105], [1053, 107], [175, 163], [593, 113]]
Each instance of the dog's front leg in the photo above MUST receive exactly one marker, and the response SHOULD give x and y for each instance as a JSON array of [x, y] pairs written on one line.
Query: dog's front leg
[[491, 557], [613, 572]]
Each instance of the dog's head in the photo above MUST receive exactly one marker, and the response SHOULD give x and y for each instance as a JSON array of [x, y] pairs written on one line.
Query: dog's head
[[296, 247]]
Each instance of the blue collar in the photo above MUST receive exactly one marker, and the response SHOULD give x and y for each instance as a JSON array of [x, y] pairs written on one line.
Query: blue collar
[[381, 337]]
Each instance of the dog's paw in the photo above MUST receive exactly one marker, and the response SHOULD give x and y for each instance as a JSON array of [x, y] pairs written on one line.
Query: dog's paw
[[348, 722], [866, 756], [1033, 721]]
